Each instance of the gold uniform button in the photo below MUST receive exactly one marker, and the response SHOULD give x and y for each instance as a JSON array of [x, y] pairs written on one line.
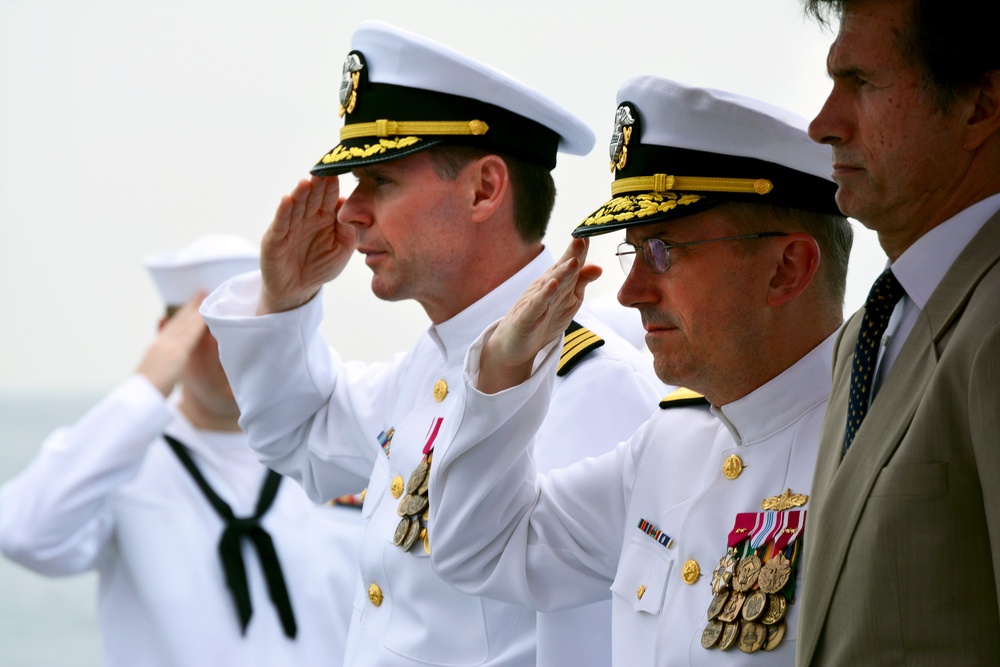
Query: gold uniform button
[[396, 489], [440, 390], [639, 593], [690, 571], [732, 467], [375, 595]]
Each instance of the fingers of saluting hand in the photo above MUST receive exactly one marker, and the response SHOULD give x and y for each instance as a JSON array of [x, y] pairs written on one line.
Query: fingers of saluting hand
[[540, 316], [547, 306], [313, 201], [561, 289]]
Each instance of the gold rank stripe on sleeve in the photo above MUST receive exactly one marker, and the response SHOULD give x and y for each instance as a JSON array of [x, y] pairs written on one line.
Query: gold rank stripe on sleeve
[[578, 342], [682, 397]]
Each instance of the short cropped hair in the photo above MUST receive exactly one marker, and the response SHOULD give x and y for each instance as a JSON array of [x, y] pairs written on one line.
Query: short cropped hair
[[833, 234], [533, 189]]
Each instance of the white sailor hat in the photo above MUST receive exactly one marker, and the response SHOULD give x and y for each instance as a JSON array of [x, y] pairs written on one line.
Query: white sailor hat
[[677, 150], [402, 93], [202, 265]]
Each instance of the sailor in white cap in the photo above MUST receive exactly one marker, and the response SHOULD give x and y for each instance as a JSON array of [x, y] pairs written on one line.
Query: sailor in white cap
[[736, 259], [454, 191], [204, 558]]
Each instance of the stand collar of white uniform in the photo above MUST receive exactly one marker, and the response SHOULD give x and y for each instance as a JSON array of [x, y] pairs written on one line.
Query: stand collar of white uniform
[[777, 404], [924, 264], [454, 337]]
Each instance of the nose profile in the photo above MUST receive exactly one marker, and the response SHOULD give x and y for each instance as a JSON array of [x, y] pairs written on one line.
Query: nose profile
[[827, 127], [636, 289], [354, 211]]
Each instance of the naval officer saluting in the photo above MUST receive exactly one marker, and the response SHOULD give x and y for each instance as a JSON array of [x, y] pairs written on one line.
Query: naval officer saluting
[[736, 257]]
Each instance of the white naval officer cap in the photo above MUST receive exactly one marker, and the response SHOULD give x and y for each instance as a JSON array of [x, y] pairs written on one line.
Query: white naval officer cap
[[201, 265], [677, 150], [402, 93]]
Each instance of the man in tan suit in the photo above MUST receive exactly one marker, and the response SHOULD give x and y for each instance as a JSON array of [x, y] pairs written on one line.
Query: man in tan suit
[[902, 557]]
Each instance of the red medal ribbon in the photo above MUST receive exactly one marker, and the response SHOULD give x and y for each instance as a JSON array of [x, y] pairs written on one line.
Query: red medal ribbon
[[793, 523], [742, 529], [432, 433]]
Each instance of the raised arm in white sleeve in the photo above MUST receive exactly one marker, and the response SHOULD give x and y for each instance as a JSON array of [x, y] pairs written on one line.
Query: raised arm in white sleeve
[[56, 516], [308, 414]]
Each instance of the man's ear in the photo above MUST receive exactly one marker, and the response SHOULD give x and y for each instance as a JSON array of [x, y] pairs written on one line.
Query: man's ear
[[984, 116], [490, 182], [798, 261]]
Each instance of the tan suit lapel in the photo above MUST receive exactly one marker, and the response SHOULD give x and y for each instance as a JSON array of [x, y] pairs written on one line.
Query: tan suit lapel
[[848, 483]]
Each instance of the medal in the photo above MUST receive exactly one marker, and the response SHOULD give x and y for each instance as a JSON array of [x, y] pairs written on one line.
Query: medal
[[718, 603], [723, 574], [753, 606], [755, 579], [731, 610], [775, 574], [710, 635], [401, 530], [413, 507], [420, 474], [746, 572], [775, 633], [730, 632], [412, 533], [776, 606], [752, 637]]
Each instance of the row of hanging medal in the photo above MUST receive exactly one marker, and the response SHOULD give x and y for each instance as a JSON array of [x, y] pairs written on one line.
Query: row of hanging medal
[[413, 506], [755, 582]]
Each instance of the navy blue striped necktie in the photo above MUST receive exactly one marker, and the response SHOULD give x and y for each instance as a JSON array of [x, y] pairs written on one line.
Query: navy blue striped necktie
[[881, 301]]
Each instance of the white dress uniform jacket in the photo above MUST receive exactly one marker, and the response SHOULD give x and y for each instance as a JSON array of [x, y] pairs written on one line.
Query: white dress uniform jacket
[[318, 419], [109, 494], [565, 538]]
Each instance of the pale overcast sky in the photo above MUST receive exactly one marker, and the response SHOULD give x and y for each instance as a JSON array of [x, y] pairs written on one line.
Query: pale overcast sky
[[133, 126]]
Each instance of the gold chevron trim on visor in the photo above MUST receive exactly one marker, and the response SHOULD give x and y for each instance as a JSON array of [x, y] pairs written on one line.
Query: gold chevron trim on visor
[[667, 182], [385, 128], [630, 207], [339, 154]]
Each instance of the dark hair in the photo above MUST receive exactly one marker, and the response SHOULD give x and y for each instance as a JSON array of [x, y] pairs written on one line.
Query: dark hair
[[952, 44], [533, 189], [833, 234]]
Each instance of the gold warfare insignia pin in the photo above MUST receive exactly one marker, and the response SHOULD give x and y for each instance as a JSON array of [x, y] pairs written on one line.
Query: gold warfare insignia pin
[[351, 76], [785, 501], [625, 120]]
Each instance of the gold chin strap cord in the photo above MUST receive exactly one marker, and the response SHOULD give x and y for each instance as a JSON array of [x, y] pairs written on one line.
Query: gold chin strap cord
[[390, 128], [667, 182]]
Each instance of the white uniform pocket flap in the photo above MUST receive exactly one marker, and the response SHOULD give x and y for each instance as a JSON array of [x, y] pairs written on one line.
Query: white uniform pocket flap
[[643, 572]]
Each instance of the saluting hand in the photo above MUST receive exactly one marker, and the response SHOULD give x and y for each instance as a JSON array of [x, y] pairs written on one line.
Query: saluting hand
[[541, 314], [304, 247], [169, 352]]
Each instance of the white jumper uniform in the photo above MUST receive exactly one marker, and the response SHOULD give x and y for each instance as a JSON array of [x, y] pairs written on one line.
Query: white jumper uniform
[[565, 538], [109, 494], [323, 421]]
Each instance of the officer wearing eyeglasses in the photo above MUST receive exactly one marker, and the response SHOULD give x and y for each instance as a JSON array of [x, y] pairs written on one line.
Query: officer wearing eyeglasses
[[693, 525]]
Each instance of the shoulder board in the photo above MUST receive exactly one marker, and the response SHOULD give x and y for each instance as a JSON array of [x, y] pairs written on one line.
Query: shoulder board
[[577, 343], [682, 397]]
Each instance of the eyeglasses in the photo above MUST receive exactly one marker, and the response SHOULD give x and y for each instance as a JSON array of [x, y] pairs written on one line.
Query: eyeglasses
[[656, 252]]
